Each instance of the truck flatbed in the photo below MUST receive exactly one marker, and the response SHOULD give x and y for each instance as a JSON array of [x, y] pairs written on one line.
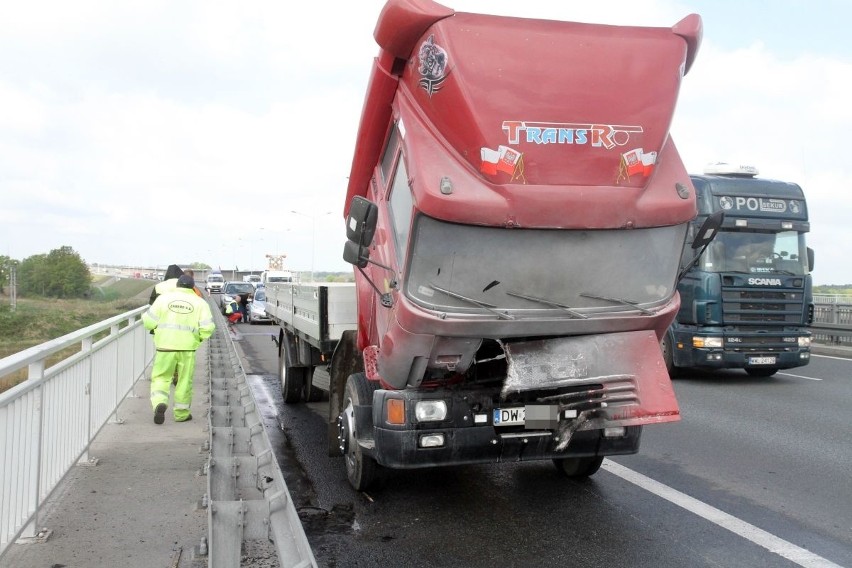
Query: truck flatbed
[[317, 312]]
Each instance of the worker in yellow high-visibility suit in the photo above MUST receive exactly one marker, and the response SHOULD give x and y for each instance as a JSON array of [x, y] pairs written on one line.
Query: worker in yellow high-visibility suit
[[169, 283], [180, 321]]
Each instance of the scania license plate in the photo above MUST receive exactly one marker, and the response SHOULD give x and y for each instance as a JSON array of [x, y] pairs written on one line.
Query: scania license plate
[[510, 416], [761, 360]]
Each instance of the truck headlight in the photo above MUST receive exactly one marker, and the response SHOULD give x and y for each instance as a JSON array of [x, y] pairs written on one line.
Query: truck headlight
[[713, 342], [430, 410], [804, 342]]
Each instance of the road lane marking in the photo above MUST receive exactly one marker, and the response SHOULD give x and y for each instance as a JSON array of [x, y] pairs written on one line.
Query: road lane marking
[[770, 542], [830, 357], [799, 376]]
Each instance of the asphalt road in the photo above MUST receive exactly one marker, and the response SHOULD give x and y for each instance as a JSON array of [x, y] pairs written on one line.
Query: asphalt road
[[757, 473]]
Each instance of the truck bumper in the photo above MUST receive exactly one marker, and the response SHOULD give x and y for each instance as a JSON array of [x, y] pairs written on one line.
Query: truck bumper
[[400, 449], [722, 359], [469, 432]]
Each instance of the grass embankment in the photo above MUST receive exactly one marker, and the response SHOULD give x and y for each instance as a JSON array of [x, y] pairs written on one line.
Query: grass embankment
[[37, 320]]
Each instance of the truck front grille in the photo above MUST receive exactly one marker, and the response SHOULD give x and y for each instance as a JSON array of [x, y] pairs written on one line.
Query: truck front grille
[[754, 306]]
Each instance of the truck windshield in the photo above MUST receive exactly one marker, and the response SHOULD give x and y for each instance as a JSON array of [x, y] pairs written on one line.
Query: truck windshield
[[755, 252], [588, 271]]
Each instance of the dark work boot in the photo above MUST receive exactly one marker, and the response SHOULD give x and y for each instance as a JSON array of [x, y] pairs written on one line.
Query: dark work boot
[[160, 413]]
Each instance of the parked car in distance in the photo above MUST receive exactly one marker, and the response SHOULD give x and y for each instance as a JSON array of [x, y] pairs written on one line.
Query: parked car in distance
[[257, 308], [231, 289], [215, 283]]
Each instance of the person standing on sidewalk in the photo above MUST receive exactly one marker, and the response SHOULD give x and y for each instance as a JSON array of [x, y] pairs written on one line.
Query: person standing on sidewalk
[[173, 272], [169, 283], [180, 321]]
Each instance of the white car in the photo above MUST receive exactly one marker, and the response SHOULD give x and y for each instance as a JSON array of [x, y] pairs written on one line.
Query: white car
[[215, 283], [257, 308]]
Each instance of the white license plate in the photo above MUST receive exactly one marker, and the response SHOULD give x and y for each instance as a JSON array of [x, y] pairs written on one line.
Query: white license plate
[[510, 416], [761, 360]]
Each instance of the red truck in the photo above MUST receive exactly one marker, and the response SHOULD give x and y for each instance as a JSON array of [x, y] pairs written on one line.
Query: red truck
[[515, 215]]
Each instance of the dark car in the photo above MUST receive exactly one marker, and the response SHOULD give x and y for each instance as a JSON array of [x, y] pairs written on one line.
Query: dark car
[[232, 289]]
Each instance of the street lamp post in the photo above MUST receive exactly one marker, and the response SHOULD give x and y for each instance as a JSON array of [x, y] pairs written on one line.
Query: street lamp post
[[250, 250], [313, 219]]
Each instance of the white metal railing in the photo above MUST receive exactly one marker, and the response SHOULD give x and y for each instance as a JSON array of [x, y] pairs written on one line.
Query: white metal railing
[[835, 310], [832, 299], [48, 421]]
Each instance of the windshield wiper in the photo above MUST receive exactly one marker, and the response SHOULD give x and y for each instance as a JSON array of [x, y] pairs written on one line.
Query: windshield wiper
[[621, 301], [477, 303], [547, 303]]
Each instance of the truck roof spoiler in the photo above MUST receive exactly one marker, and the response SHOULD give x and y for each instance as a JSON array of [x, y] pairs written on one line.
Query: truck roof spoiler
[[402, 23], [691, 29]]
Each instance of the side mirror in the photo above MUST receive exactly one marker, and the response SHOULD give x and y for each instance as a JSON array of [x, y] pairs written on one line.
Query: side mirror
[[361, 221], [356, 254], [810, 259], [708, 230]]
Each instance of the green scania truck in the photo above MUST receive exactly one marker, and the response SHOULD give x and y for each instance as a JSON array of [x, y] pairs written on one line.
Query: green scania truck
[[746, 301]]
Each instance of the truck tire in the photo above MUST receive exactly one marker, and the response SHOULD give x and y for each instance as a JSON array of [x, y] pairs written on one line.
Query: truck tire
[[761, 372], [578, 468], [666, 345], [292, 378], [361, 470], [312, 393]]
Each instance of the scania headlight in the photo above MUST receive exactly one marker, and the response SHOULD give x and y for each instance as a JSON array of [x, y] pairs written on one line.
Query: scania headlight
[[804, 342], [430, 410], [712, 342]]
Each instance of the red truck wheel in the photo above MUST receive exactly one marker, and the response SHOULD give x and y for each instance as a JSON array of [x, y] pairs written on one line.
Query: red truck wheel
[[292, 378], [362, 470], [578, 467], [311, 393]]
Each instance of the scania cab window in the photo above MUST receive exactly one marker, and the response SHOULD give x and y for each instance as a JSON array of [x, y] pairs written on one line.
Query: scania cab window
[[753, 252]]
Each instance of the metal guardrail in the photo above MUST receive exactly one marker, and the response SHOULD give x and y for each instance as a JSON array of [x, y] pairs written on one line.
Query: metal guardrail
[[832, 320], [247, 498], [48, 422], [832, 334]]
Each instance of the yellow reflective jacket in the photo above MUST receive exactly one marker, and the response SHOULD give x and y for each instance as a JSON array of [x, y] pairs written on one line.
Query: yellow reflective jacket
[[166, 286], [180, 320]]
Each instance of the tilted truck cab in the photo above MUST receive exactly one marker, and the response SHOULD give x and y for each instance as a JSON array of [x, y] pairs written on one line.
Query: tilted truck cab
[[516, 210]]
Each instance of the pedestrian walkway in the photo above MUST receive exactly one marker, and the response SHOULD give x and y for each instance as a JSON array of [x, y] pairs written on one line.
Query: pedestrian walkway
[[137, 507]]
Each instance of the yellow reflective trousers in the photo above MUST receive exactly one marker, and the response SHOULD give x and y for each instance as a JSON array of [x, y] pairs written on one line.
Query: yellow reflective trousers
[[165, 363]]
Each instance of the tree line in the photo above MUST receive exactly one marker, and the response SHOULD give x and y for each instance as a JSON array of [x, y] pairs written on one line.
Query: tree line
[[61, 273]]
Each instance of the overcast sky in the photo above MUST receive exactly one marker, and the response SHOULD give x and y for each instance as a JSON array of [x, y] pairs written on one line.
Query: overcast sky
[[156, 132]]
